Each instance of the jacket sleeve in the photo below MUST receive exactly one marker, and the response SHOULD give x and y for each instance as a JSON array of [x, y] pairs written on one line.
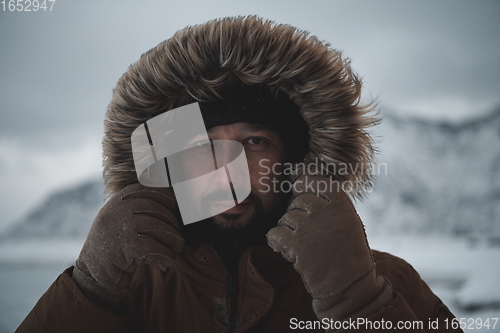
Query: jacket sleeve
[[64, 308], [414, 304]]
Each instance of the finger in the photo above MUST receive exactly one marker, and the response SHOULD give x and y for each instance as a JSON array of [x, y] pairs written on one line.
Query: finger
[[153, 228], [170, 240], [293, 218], [163, 195], [145, 206], [323, 187], [165, 216], [308, 202], [285, 223], [277, 237]]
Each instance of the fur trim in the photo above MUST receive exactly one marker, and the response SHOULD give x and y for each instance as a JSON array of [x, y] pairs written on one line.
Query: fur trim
[[198, 61]]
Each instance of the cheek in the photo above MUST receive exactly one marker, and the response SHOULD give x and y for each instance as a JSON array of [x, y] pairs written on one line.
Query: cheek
[[264, 173]]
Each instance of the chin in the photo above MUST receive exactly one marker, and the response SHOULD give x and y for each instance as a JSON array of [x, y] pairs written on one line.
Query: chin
[[228, 221]]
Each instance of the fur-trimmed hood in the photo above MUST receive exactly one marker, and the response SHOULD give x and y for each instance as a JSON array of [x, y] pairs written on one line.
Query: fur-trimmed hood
[[197, 61]]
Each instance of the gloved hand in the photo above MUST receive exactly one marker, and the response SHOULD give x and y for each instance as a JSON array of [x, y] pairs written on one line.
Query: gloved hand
[[323, 236], [135, 226]]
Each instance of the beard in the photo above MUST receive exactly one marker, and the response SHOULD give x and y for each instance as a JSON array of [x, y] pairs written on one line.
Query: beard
[[229, 242]]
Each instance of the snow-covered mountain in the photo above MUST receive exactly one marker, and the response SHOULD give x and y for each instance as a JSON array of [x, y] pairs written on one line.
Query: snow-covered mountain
[[437, 176], [440, 177], [65, 213]]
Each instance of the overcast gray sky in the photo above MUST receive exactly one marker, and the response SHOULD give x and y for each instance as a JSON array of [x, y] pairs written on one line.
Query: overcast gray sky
[[432, 59]]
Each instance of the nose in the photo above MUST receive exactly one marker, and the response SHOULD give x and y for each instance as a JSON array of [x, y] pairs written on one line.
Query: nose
[[233, 158]]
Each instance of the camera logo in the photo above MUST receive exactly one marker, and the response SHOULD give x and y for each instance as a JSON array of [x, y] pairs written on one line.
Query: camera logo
[[208, 176]]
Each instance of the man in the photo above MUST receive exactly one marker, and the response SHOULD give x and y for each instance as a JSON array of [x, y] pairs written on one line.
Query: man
[[282, 259]]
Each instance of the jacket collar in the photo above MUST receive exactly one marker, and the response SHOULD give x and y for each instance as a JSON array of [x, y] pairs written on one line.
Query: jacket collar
[[261, 271]]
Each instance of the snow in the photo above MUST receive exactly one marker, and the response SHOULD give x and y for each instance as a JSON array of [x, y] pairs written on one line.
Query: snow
[[68, 212], [438, 177], [40, 251]]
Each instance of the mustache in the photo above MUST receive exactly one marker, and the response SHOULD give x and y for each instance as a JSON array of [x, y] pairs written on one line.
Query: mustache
[[221, 194]]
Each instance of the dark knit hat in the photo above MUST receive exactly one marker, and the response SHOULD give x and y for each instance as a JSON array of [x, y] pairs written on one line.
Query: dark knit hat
[[257, 104]]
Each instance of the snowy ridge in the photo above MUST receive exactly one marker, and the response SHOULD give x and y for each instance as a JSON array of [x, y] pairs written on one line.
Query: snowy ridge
[[440, 177], [65, 213]]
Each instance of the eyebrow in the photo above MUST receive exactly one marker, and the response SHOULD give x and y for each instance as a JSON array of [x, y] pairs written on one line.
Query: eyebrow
[[255, 127], [250, 127]]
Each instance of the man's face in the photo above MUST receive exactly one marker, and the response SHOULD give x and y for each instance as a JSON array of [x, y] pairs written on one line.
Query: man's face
[[247, 223], [263, 148]]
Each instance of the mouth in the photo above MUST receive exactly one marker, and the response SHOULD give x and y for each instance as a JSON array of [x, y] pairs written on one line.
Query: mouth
[[239, 208]]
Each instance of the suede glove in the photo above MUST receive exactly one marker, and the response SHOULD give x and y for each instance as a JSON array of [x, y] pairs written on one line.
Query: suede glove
[[323, 236], [137, 225]]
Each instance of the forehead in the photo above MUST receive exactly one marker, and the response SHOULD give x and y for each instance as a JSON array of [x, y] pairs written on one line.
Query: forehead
[[241, 128]]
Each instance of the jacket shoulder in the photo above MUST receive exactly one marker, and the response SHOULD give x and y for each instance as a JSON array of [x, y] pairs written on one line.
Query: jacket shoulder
[[402, 276], [406, 281], [64, 308], [390, 266]]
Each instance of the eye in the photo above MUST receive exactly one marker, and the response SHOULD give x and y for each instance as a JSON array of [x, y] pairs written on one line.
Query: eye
[[255, 141]]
